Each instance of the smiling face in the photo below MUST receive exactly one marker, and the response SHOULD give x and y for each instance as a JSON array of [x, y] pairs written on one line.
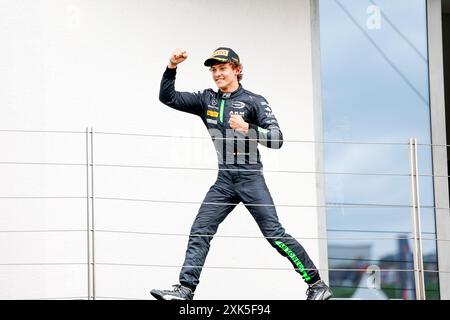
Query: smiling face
[[225, 76]]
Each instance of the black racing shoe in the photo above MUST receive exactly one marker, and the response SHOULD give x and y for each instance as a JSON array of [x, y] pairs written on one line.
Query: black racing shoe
[[178, 293], [318, 291]]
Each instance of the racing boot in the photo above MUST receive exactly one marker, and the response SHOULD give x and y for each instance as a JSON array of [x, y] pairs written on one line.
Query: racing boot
[[178, 293], [318, 291]]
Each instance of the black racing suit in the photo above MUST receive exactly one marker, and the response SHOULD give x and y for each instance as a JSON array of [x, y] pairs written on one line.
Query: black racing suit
[[240, 177]]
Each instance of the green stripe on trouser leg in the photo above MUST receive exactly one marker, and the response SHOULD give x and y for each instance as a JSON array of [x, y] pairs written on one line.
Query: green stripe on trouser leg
[[294, 258]]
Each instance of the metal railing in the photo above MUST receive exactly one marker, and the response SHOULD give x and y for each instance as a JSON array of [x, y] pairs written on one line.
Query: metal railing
[[91, 197]]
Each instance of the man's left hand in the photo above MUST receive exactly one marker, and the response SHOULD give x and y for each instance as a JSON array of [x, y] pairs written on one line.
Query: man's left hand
[[237, 123]]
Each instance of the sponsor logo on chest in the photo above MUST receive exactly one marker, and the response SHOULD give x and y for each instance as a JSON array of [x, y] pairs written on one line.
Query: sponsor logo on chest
[[238, 105], [239, 108], [212, 113], [238, 113]]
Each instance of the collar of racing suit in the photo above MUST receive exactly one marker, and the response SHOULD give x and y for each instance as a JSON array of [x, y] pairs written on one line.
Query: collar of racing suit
[[231, 95]]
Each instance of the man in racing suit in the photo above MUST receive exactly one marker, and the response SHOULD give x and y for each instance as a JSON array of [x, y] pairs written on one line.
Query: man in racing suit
[[237, 121]]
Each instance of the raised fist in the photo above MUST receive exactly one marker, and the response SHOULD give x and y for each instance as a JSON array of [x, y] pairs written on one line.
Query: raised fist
[[178, 56]]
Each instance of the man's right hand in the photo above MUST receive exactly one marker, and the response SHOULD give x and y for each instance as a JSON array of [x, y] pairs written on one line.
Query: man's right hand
[[178, 56]]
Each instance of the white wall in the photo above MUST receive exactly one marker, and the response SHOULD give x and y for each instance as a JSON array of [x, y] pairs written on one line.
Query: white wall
[[66, 65]]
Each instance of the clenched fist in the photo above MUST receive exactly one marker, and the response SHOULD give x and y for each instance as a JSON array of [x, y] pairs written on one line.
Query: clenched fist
[[178, 56], [238, 123]]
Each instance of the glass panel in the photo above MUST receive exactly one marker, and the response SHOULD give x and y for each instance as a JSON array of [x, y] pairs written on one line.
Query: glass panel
[[374, 71]]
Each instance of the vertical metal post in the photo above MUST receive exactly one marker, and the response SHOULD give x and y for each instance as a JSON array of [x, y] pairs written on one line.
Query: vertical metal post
[[88, 217], [417, 235], [92, 215]]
